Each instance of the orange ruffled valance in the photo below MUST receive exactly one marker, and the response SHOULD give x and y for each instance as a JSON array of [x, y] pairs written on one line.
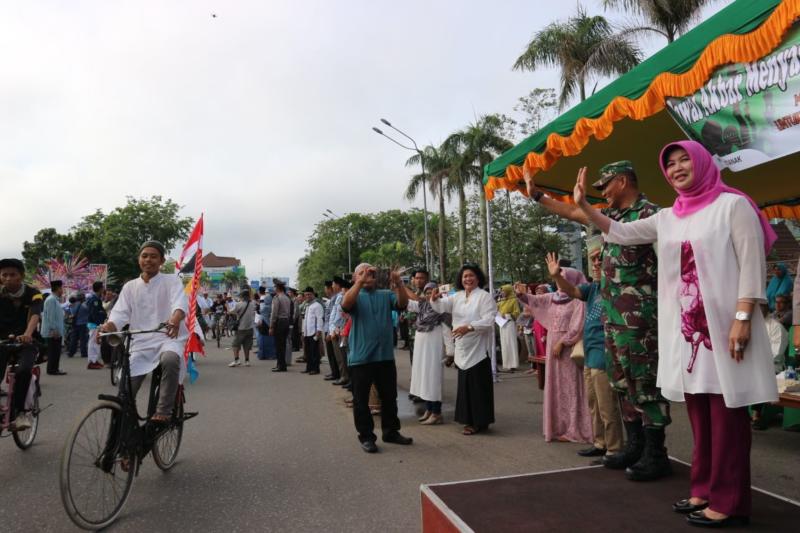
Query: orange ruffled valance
[[722, 50]]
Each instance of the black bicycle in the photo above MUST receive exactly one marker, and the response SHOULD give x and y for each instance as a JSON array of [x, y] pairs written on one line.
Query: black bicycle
[[105, 449], [115, 365], [23, 438]]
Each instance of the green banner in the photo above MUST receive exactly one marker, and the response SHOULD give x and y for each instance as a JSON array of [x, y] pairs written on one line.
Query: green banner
[[747, 113]]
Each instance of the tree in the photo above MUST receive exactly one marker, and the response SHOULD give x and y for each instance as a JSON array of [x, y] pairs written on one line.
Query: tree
[[438, 167], [584, 48], [389, 255], [114, 239], [478, 144], [668, 18], [234, 279], [534, 109], [46, 244]]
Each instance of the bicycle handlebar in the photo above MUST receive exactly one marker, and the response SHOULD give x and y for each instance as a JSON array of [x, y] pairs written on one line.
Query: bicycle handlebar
[[119, 335]]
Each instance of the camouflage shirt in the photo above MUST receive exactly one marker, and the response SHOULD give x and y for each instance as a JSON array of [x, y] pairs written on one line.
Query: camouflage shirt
[[629, 281]]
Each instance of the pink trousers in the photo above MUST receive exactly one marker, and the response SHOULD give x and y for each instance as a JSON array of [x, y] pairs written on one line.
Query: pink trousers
[[721, 456]]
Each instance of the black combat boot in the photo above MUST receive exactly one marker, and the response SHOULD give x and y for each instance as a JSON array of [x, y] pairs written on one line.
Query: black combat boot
[[654, 463], [632, 451]]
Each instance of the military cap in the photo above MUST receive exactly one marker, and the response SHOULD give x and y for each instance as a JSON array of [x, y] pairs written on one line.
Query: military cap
[[610, 171]]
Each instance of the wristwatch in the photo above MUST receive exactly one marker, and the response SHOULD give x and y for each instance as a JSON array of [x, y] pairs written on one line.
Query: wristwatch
[[470, 328], [744, 316]]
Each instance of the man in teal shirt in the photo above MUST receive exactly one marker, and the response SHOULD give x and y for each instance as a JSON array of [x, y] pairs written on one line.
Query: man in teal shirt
[[371, 355]]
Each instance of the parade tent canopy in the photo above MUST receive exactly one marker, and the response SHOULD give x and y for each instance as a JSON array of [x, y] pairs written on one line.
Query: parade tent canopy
[[628, 119]]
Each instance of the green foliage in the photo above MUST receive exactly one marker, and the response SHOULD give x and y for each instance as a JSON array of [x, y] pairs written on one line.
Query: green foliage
[[584, 47], [393, 238], [668, 18], [114, 238], [235, 279]]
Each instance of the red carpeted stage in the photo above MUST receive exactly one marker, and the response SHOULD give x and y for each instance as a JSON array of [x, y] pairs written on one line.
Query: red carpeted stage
[[583, 499]]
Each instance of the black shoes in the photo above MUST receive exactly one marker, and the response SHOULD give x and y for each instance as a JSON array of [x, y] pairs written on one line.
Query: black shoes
[[57, 373], [685, 507], [369, 446], [396, 438], [313, 372], [699, 519], [632, 451], [337, 382], [276, 369], [329, 378], [654, 463], [592, 452]]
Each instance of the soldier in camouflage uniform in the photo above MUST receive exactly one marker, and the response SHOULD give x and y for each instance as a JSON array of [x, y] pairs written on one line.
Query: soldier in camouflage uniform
[[629, 290]]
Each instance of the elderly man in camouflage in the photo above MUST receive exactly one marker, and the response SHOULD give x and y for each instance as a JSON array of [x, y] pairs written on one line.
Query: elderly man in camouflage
[[628, 287]]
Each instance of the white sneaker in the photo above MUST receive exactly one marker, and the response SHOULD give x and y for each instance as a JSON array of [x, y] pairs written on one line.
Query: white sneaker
[[233, 363], [23, 421], [247, 363]]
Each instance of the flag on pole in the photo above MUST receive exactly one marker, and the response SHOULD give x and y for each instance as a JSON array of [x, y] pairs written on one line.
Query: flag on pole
[[193, 247]]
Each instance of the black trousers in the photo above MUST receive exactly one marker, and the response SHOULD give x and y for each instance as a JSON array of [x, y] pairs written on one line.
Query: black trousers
[[384, 375], [53, 354], [80, 336], [281, 334], [332, 360], [311, 352]]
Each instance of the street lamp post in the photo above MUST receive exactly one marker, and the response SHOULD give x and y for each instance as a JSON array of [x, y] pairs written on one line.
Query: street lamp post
[[331, 215], [424, 188]]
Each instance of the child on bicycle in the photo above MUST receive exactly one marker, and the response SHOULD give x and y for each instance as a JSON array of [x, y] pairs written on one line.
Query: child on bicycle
[[20, 313], [144, 303]]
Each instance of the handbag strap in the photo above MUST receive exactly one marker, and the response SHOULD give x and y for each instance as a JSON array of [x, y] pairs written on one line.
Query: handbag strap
[[239, 322]]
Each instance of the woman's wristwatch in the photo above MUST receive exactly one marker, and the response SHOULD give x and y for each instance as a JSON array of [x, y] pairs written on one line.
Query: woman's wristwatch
[[470, 328], [744, 316]]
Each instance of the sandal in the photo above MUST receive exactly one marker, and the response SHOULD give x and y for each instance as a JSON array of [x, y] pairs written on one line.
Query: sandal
[[469, 430]]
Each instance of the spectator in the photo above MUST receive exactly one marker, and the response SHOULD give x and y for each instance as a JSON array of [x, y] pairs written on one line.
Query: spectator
[[473, 310], [426, 372], [781, 283], [783, 310], [53, 327], [313, 325], [508, 309], [566, 408], [80, 328], [371, 356], [243, 320]]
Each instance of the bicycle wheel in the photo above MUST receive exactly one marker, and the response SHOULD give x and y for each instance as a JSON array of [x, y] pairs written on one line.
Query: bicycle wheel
[[24, 439], [165, 449], [96, 476]]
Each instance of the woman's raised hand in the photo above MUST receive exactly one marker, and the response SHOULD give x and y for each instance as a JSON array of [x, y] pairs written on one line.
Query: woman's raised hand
[[579, 193], [552, 264]]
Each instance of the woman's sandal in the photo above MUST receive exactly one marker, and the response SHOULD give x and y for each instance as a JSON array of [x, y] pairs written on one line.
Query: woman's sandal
[[469, 430]]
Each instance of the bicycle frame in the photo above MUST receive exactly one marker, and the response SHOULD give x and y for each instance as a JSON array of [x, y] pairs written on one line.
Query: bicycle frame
[[126, 428], [10, 379]]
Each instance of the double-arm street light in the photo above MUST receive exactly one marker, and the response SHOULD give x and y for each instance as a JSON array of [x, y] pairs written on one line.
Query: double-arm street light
[[333, 216], [424, 189]]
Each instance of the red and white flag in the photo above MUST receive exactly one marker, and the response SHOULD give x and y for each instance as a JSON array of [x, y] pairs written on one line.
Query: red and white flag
[[193, 247]]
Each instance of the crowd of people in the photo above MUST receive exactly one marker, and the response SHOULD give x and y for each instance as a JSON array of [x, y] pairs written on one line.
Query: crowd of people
[[677, 308]]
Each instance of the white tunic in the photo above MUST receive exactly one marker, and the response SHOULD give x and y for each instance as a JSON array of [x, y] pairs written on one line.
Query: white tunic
[[728, 246], [145, 305], [477, 310], [427, 372]]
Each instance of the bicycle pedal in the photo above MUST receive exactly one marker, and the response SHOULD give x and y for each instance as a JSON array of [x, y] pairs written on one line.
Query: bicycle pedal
[[190, 414]]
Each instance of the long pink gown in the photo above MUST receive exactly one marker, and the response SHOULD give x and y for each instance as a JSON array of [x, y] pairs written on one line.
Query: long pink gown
[[566, 409]]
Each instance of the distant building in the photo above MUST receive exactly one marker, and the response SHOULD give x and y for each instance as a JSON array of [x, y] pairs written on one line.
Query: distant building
[[215, 267]]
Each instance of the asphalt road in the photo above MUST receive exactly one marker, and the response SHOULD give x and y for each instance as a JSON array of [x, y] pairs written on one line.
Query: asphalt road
[[278, 452]]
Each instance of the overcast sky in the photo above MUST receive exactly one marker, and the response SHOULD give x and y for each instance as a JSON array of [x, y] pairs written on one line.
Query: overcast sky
[[259, 117]]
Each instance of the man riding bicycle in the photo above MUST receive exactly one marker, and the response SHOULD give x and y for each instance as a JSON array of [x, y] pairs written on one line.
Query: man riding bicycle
[[144, 303], [20, 312]]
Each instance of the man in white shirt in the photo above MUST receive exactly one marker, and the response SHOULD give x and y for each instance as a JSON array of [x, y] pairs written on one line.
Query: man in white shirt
[[144, 303], [313, 325]]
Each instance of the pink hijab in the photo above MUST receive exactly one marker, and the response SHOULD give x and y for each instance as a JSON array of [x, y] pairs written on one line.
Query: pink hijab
[[707, 186]]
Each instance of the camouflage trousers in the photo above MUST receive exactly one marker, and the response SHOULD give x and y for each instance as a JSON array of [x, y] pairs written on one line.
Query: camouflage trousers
[[632, 365]]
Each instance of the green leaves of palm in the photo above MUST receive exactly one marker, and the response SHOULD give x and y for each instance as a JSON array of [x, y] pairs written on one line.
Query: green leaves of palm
[[583, 47], [669, 18]]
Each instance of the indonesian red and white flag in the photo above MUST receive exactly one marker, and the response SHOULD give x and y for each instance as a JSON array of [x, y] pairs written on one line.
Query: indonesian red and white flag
[[193, 247]]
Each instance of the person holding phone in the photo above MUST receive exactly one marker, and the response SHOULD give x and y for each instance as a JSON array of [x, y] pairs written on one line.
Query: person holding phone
[[371, 355]]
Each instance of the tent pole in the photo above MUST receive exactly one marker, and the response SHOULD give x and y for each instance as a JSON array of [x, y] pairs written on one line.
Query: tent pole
[[492, 346]]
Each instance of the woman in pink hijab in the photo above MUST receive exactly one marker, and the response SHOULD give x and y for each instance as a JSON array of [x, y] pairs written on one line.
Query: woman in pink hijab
[[714, 350], [566, 409]]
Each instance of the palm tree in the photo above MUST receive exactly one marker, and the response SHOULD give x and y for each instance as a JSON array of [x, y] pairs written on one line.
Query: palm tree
[[668, 18], [584, 47], [477, 145], [437, 169], [234, 279]]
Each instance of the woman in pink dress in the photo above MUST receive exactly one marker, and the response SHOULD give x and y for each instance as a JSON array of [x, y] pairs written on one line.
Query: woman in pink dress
[[566, 410]]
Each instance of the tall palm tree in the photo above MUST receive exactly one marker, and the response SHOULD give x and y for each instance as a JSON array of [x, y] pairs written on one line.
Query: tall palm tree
[[437, 168], [584, 47], [668, 18], [478, 144]]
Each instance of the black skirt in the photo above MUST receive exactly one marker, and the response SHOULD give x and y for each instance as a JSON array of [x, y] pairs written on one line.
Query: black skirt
[[475, 399]]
